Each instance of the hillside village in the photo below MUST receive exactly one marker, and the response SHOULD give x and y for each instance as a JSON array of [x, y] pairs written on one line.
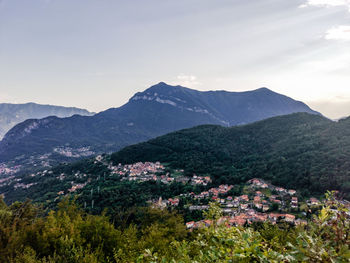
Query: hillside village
[[148, 171], [262, 202], [6, 170], [259, 201]]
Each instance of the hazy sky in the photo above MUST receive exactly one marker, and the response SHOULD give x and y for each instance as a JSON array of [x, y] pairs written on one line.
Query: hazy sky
[[96, 54]]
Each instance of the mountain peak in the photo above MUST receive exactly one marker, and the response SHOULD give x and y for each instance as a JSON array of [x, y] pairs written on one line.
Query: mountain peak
[[163, 85], [161, 89], [264, 89], [157, 110]]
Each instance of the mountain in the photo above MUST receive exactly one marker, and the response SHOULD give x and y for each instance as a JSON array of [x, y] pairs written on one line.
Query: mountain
[[156, 111], [12, 114], [299, 151]]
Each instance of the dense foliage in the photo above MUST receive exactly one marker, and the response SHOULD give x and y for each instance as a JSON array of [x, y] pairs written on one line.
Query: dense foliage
[[299, 151], [28, 235]]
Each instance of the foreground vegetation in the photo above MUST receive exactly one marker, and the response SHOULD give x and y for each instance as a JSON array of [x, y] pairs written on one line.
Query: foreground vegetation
[[28, 234]]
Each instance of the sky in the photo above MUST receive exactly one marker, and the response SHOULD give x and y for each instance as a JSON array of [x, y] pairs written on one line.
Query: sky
[[95, 54]]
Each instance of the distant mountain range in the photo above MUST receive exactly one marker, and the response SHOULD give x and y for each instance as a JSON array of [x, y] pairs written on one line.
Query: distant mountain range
[[156, 111], [12, 114]]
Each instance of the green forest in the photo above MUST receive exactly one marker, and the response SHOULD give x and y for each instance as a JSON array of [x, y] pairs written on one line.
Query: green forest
[[299, 151], [67, 234], [111, 220], [305, 152]]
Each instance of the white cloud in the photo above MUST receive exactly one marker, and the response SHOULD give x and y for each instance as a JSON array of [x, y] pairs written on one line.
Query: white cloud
[[341, 32], [183, 77], [187, 80], [327, 3], [338, 33]]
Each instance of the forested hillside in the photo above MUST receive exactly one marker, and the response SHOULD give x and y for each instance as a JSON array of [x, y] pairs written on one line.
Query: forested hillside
[[301, 151], [119, 220], [305, 152]]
